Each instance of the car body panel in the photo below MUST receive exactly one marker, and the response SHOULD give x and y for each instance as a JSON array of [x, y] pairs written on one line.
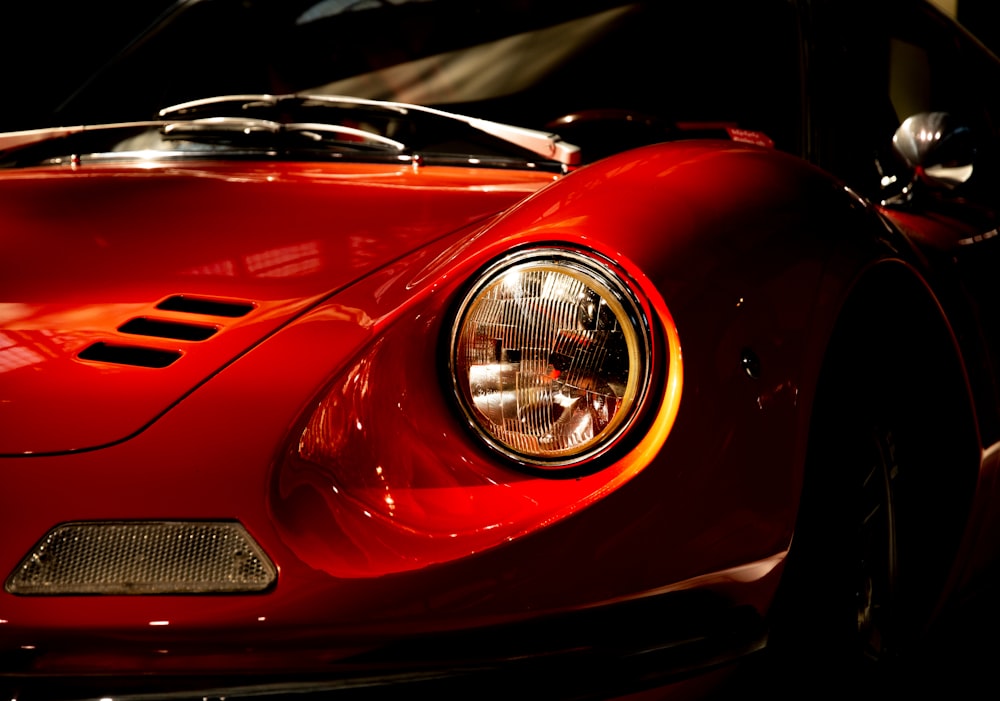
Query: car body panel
[[310, 394], [282, 263], [240, 452]]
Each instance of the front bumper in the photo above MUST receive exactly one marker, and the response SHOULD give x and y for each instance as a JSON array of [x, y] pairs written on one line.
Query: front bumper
[[595, 653]]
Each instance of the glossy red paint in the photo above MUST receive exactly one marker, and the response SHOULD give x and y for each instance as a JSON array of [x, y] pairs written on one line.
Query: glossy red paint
[[444, 510], [252, 328], [122, 241], [699, 520]]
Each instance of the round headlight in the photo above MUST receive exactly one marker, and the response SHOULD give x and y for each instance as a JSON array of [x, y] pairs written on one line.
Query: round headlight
[[550, 357]]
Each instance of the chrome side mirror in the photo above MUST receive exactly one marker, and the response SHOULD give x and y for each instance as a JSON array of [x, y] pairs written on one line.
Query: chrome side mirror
[[938, 149]]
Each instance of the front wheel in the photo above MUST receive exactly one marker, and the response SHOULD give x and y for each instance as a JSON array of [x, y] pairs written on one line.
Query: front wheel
[[878, 576], [846, 604], [891, 466]]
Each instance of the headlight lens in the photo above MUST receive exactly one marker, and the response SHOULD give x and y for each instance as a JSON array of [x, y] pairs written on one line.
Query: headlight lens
[[550, 357]]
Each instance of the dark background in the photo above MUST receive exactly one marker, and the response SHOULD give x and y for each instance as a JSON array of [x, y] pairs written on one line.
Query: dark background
[[50, 48], [982, 18]]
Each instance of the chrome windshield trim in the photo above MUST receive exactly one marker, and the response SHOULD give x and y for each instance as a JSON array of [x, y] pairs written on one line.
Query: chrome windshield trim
[[182, 120], [365, 136], [545, 144], [246, 125], [220, 124]]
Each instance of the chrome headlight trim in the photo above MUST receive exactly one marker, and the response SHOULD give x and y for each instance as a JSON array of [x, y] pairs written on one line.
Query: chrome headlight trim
[[551, 357]]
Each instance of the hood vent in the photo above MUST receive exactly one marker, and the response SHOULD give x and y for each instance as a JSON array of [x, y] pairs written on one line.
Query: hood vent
[[140, 356], [129, 355], [207, 307], [168, 329]]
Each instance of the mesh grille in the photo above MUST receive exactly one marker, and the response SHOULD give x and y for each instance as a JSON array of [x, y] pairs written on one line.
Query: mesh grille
[[144, 558]]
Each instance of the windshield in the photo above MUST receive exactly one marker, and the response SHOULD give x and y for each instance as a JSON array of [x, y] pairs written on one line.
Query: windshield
[[296, 127], [605, 74]]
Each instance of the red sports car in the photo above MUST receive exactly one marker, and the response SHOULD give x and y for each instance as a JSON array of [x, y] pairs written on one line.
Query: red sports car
[[562, 348]]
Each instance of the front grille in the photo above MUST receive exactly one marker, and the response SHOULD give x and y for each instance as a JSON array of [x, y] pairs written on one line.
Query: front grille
[[140, 557]]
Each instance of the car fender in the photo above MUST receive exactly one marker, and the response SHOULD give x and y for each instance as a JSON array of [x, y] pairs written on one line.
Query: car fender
[[751, 252]]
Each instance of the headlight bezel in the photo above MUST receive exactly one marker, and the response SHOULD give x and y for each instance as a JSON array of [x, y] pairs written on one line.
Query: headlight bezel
[[622, 298]]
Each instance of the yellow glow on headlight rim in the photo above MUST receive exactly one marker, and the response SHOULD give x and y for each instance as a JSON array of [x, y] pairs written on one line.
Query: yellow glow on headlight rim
[[551, 357]]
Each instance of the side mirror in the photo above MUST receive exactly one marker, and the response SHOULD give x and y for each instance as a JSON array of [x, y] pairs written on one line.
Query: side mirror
[[938, 150]]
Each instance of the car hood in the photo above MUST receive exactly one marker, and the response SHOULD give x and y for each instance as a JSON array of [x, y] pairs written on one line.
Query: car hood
[[123, 289]]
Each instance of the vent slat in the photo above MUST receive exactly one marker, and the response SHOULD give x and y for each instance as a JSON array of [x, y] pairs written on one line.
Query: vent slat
[[158, 328], [205, 306], [129, 355]]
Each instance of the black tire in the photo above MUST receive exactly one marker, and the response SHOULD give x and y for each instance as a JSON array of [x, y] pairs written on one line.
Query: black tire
[[891, 465], [845, 614]]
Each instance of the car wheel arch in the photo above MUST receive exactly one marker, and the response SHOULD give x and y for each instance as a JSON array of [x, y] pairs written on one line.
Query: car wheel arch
[[893, 368]]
